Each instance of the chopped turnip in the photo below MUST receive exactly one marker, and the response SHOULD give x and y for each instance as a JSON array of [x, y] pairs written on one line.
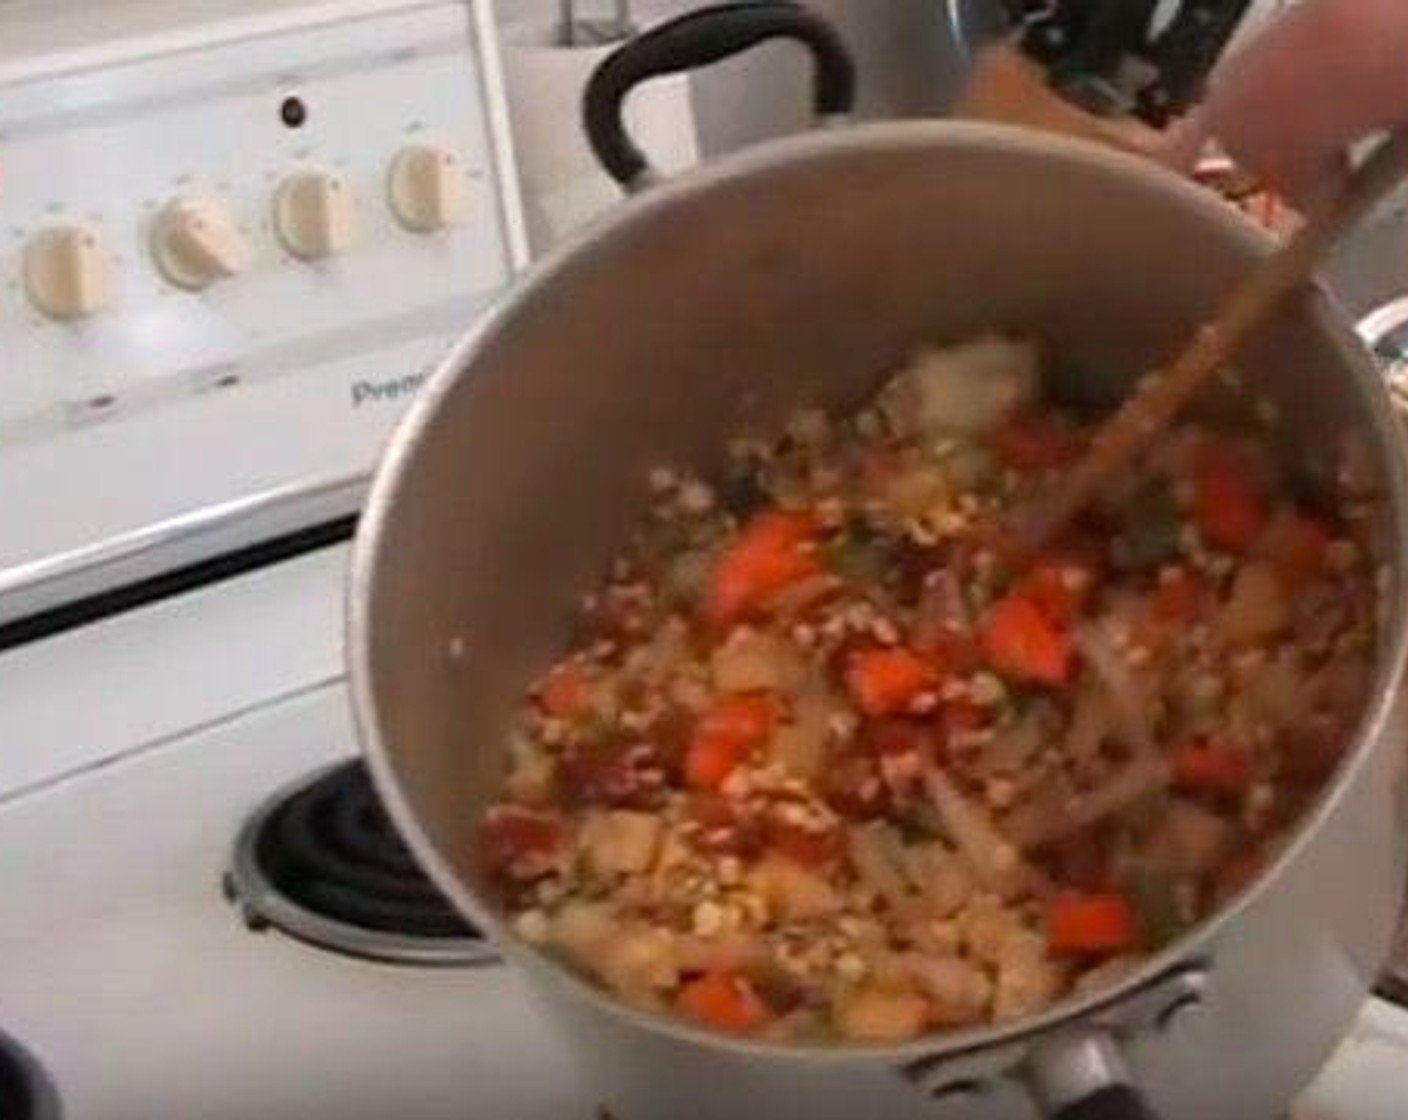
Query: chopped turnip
[[1028, 981], [1050, 819], [941, 877], [581, 929], [876, 1014], [794, 892], [959, 992], [965, 388], [620, 843], [640, 963], [803, 745], [755, 661], [877, 856], [1128, 700], [1188, 839], [1256, 609], [993, 859]]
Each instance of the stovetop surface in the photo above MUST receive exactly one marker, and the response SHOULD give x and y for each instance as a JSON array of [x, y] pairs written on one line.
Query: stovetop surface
[[146, 996]]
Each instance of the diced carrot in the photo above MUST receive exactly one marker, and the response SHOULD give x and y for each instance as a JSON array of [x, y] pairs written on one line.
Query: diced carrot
[[883, 682], [711, 760], [1205, 767], [725, 1001], [1178, 597], [725, 736], [769, 555], [1031, 442], [1022, 642], [1297, 546], [1228, 503], [1082, 924], [566, 691]]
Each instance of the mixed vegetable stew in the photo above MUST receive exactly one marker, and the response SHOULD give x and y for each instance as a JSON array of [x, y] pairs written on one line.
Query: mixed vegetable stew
[[820, 766]]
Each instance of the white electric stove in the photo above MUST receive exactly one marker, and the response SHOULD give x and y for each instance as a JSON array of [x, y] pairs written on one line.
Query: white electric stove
[[232, 237]]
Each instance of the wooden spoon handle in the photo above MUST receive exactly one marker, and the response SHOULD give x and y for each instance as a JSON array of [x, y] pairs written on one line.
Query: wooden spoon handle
[[1159, 398]]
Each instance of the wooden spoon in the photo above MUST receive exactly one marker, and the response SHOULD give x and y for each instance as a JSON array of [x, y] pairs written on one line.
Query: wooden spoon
[[1158, 399]]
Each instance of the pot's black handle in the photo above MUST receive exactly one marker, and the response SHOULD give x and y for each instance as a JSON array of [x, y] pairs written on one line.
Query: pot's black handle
[[1114, 1102], [1083, 1076], [699, 39]]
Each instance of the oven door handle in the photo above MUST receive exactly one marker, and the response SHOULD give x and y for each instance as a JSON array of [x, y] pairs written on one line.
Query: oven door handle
[[34, 587]]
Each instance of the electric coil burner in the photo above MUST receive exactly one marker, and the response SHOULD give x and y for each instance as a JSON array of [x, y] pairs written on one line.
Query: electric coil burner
[[321, 861], [25, 1092]]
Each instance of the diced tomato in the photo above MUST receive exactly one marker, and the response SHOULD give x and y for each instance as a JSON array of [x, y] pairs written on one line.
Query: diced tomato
[[1059, 585], [769, 555], [520, 843], [1177, 598], [950, 652], [883, 682], [1228, 501], [1084, 861], [877, 471], [1022, 642], [565, 692], [619, 774], [615, 615], [725, 1001], [900, 748], [911, 564], [1298, 546], [960, 716], [811, 847], [1028, 441], [721, 827], [1091, 924], [726, 735], [1239, 872], [854, 786], [1207, 767], [883, 737], [1312, 752]]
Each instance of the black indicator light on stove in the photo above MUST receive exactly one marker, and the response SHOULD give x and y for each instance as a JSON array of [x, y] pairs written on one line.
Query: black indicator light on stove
[[293, 112]]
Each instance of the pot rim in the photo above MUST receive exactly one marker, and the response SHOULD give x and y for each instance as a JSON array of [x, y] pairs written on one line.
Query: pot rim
[[44, 1095], [1388, 447]]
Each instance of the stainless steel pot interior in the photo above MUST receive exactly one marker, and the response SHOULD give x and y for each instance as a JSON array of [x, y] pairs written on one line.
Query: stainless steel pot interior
[[797, 274]]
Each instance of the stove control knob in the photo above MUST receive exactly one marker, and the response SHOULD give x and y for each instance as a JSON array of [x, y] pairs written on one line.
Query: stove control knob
[[428, 188], [315, 215], [68, 272], [195, 243]]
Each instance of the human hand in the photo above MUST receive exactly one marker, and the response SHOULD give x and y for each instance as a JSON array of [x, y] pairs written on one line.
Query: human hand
[[1326, 74]]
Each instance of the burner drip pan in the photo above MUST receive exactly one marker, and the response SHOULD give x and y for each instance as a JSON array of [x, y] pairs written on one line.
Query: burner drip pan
[[322, 862]]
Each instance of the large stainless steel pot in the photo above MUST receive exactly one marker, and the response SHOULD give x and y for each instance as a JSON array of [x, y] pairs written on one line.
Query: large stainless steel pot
[[800, 272]]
